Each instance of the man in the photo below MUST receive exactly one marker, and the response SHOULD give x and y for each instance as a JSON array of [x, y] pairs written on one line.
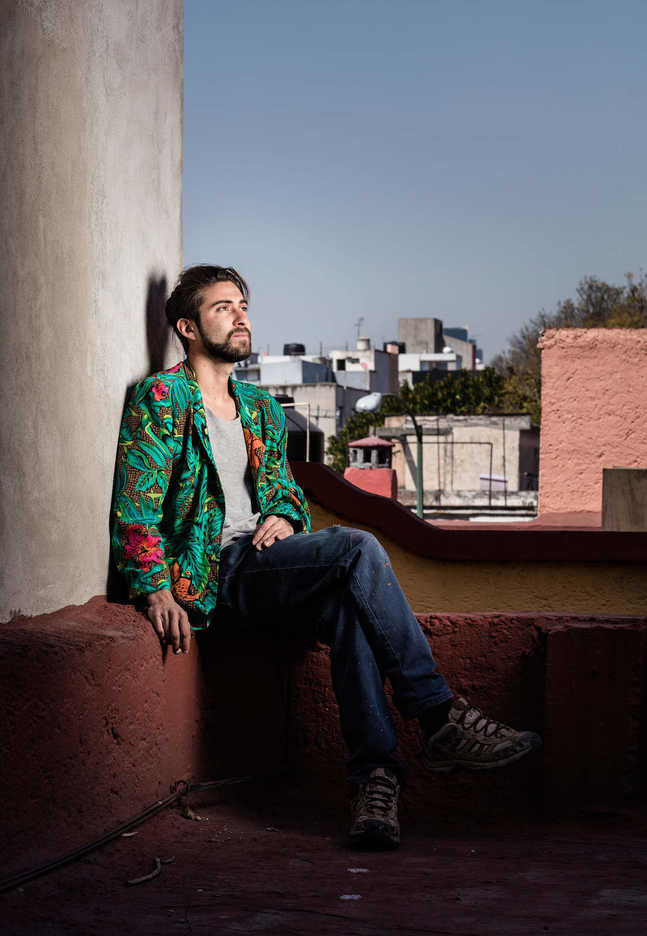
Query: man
[[207, 517]]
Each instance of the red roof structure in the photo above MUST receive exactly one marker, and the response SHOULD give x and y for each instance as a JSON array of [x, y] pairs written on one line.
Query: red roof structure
[[371, 442]]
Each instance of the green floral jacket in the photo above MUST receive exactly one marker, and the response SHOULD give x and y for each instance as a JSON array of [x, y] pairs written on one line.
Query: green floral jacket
[[169, 507]]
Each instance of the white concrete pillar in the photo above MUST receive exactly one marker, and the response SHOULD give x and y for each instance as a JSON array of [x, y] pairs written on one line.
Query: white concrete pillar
[[91, 159]]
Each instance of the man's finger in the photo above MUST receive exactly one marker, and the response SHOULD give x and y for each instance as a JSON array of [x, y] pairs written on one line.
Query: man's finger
[[185, 632], [270, 530], [155, 617], [262, 530], [173, 631], [267, 539]]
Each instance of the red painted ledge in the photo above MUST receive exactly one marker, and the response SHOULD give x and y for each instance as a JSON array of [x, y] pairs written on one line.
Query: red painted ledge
[[521, 544]]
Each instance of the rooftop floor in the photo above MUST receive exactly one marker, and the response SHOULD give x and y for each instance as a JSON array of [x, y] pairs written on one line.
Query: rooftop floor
[[573, 520], [270, 862]]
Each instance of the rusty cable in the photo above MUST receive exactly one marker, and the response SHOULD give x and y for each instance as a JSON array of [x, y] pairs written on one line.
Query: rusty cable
[[179, 789]]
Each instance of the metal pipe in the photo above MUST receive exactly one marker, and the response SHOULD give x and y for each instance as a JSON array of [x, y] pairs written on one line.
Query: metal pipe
[[308, 432], [420, 510]]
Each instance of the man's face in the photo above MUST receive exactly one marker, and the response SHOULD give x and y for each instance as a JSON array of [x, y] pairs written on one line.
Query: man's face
[[222, 323]]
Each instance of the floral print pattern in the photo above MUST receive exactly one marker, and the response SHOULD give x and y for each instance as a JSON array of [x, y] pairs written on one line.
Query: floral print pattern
[[142, 548], [160, 390]]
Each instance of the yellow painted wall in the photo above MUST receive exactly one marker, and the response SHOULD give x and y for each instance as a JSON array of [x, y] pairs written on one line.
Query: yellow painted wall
[[576, 587]]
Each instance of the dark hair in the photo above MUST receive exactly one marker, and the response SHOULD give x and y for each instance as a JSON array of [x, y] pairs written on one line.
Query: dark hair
[[185, 300]]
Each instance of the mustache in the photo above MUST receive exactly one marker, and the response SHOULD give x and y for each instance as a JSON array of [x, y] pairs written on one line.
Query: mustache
[[239, 331]]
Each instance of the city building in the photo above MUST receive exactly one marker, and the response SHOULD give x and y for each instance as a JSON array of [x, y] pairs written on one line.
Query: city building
[[366, 368], [324, 390], [294, 369], [421, 334], [427, 348], [326, 405], [468, 461], [416, 367], [459, 340]]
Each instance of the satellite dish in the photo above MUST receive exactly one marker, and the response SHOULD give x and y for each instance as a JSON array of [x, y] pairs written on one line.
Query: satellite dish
[[369, 403], [447, 350]]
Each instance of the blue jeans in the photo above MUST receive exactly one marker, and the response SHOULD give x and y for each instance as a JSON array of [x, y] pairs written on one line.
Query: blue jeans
[[338, 585]]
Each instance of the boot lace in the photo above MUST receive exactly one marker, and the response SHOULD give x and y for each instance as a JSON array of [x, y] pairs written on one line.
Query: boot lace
[[473, 718], [378, 795]]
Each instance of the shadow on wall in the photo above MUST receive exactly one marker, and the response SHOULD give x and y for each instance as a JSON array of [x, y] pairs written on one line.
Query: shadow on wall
[[158, 334], [157, 330]]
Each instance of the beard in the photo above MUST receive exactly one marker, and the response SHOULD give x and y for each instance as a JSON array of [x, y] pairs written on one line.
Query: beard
[[226, 350]]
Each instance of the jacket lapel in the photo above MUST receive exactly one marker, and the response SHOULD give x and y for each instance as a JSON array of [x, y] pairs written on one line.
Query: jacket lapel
[[252, 429], [199, 414], [249, 417]]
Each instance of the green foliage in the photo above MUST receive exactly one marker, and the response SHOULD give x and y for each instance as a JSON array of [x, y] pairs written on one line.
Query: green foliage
[[461, 393], [597, 305]]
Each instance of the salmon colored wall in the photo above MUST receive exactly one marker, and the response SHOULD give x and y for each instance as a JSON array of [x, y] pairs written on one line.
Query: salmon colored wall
[[454, 586], [594, 401], [381, 481]]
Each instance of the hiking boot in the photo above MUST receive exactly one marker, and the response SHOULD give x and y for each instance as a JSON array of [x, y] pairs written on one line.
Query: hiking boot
[[472, 740], [374, 811]]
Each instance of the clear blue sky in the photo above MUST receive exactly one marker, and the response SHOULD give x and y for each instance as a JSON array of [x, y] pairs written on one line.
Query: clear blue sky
[[468, 160]]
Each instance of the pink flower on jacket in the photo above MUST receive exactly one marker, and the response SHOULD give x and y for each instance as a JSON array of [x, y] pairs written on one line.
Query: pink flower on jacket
[[174, 369], [145, 550], [160, 390]]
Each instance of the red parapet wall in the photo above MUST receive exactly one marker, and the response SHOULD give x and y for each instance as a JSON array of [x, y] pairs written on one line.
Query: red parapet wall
[[509, 542], [99, 724]]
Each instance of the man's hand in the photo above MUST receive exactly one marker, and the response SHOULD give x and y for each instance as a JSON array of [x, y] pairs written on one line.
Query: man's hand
[[272, 529], [170, 621]]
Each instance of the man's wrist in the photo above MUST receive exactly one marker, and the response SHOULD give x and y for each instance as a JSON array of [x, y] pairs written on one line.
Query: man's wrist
[[159, 594]]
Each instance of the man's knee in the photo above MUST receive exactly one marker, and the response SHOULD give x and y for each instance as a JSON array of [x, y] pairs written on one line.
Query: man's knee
[[368, 543]]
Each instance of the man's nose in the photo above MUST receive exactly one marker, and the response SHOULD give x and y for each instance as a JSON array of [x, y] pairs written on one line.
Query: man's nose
[[241, 318]]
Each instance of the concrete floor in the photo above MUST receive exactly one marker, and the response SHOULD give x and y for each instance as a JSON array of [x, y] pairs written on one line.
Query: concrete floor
[[270, 862]]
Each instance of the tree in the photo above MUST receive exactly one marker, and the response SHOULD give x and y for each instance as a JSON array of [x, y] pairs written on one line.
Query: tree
[[460, 393], [597, 305]]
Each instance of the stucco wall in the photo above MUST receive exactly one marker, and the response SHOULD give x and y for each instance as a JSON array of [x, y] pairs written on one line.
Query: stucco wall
[[462, 461], [91, 157], [594, 401]]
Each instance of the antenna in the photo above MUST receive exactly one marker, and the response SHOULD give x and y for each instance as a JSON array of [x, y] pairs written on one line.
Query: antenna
[[358, 324]]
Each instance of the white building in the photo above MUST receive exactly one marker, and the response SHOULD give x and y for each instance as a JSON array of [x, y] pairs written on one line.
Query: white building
[[412, 368], [365, 368]]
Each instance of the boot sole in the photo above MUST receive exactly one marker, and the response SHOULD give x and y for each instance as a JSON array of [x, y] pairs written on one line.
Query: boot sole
[[534, 744], [375, 836]]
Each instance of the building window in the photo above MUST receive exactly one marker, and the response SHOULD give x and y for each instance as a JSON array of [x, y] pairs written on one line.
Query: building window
[[341, 363]]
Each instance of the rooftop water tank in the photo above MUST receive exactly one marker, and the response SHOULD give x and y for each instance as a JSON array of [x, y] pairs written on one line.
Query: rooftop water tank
[[294, 349]]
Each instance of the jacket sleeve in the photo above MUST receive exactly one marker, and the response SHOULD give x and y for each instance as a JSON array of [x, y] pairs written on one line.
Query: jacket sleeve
[[144, 464], [287, 499]]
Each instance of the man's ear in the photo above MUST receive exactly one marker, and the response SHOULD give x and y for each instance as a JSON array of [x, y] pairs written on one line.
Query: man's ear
[[187, 328]]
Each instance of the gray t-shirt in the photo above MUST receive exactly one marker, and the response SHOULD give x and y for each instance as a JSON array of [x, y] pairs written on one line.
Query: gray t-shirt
[[230, 455]]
